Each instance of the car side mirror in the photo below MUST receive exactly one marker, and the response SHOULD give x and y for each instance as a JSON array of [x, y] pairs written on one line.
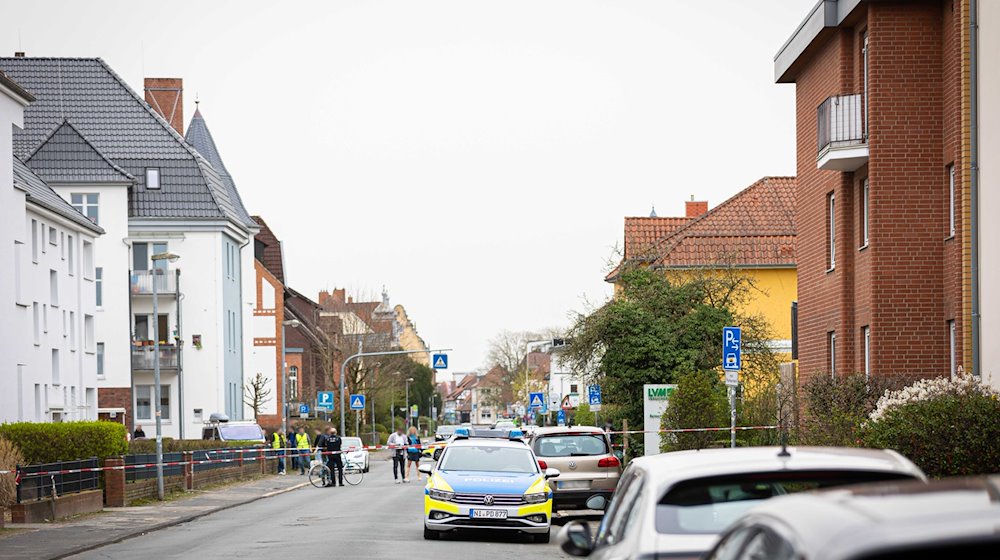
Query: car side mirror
[[426, 469], [575, 539], [552, 473]]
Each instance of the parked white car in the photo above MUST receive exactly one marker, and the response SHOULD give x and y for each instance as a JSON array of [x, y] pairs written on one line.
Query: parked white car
[[676, 504], [355, 452]]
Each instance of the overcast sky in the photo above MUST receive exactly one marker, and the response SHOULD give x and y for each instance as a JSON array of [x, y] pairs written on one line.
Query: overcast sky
[[477, 158]]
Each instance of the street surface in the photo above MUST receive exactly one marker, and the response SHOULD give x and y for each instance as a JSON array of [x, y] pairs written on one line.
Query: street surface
[[376, 519]]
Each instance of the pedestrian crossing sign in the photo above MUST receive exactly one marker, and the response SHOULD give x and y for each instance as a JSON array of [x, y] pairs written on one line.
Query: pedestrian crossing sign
[[357, 402], [440, 361], [536, 400]]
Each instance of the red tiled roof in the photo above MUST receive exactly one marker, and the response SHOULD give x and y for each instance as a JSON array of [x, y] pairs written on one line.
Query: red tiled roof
[[642, 233], [272, 260], [756, 227]]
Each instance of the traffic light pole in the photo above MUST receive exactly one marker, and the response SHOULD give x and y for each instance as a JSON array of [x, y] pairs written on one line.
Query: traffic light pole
[[343, 373]]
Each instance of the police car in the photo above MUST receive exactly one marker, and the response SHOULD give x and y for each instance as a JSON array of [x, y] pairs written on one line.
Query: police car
[[488, 481]]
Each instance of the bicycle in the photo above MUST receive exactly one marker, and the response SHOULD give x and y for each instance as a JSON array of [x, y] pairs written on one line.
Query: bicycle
[[320, 474]]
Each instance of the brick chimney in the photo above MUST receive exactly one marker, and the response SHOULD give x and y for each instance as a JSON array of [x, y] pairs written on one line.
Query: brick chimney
[[695, 209], [166, 97]]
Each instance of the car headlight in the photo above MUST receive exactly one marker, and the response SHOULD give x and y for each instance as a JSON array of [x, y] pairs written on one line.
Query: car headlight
[[440, 495], [536, 498]]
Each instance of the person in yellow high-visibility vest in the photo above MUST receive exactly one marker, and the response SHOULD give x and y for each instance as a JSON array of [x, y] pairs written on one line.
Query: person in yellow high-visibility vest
[[303, 448], [278, 443]]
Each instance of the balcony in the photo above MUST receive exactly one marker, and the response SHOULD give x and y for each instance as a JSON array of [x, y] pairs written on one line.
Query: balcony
[[144, 357], [141, 282], [841, 133]]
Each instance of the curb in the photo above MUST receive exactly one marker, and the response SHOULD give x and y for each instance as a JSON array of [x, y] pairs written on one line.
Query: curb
[[174, 522]]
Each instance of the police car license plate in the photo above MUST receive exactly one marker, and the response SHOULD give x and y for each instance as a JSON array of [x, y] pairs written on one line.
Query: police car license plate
[[488, 514]]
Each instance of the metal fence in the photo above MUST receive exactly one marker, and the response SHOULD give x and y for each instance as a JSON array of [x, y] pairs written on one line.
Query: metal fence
[[133, 473], [33, 487], [841, 122], [222, 458]]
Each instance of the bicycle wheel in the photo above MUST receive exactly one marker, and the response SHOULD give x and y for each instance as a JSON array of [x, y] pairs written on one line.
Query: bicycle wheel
[[319, 476], [353, 474]]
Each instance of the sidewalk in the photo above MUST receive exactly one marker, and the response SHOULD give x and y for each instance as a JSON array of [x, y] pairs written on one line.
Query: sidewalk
[[58, 540]]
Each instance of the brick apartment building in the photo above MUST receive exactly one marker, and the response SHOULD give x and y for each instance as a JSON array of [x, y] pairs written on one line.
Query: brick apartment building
[[882, 204]]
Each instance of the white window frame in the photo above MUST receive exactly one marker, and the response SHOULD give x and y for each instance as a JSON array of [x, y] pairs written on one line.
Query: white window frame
[[100, 359], [831, 338], [71, 259], [84, 204], [952, 350], [831, 213], [293, 382], [99, 286], [951, 200], [164, 402], [866, 335], [34, 241], [153, 178], [865, 212]]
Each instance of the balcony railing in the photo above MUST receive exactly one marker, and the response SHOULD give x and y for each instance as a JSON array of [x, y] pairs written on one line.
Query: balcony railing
[[144, 357], [141, 281], [841, 133]]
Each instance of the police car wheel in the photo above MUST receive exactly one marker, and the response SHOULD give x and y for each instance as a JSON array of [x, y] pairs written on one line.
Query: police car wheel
[[431, 535], [541, 538], [437, 454]]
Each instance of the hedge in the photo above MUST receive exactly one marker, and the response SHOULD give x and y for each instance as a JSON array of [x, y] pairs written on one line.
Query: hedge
[[66, 441], [171, 445], [947, 435]]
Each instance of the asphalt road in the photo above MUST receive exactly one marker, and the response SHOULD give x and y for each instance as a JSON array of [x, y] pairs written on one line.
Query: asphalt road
[[376, 519]]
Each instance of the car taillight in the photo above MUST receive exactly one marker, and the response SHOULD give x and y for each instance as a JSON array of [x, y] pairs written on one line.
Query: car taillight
[[609, 462], [542, 465]]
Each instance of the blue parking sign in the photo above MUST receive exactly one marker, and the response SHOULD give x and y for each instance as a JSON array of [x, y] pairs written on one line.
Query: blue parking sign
[[303, 409], [732, 359], [594, 394]]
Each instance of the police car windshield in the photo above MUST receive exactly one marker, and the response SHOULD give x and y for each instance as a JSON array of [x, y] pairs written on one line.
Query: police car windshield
[[485, 458]]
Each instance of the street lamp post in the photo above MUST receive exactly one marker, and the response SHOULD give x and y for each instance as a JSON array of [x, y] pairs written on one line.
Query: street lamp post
[[294, 323], [157, 258], [407, 423]]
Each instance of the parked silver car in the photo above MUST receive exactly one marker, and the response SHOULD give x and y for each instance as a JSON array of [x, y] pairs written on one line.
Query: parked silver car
[[676, 504], [956, 518]]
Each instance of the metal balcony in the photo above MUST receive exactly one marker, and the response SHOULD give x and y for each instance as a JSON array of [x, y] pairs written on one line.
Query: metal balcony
[[841, 133], [141, 282], [144, 357]]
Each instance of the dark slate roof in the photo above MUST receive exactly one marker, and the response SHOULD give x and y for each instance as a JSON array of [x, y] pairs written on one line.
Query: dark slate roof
[[41, 194], [199, 137], [67, 156], [121, 126]]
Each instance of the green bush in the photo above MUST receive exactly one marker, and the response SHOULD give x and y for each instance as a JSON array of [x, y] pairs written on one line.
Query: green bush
[[836, 407], [170, 445], [66, 441], [583, 416], [953, 433], [699, 401]]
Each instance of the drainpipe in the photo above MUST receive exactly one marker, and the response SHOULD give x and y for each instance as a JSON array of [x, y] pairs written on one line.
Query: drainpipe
[[180, 351], [974, 177]]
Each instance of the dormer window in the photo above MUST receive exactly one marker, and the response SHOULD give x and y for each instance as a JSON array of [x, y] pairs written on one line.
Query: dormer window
[[152, 178]]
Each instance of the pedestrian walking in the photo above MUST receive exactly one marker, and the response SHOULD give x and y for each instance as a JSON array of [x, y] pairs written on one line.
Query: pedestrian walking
[[397, 446], [302, 448], [278, 443], [334, 457], [412, 453], [290, 442]]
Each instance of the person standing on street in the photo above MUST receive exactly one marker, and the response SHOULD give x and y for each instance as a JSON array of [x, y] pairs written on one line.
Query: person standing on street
[[302, 448], [319, 443], [138, 433], [334, 457], [412, 453], [278, 444], [290, 442], [397, 446]]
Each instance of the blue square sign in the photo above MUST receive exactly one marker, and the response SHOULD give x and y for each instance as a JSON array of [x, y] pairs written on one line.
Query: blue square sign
[[536, 401], [325, 400], [303, 409], [439, 361], [732, 359], [357, 402], [593, 395]]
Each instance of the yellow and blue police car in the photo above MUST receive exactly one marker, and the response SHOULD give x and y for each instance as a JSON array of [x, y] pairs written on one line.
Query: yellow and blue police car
[[488, 481]]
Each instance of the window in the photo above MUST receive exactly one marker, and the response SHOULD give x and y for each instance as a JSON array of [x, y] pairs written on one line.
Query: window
[[45, 318], [36, 316], [831, 344], [71, 254], [18, 291], [38, 402], [952, 350], [72, 330], [55, 366], [34, 241], [88, 259], [573, 388], [152, 178], [100, 359], [99, 286], [144, 402], [65, 324], [142, 327], [62, 245], [142, 254], [831, 227], [53, 236], [615, 522], [293, 382], [86, 204], [88, 332], [866, 339], [951, 200], [41, 237], [864, 213], [54, 288]]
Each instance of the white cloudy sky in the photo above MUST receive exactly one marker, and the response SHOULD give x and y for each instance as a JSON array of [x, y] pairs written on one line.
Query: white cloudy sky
[[475, 157]]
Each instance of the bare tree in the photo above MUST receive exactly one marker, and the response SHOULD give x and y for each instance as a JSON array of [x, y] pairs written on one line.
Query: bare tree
[[257, 393]]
